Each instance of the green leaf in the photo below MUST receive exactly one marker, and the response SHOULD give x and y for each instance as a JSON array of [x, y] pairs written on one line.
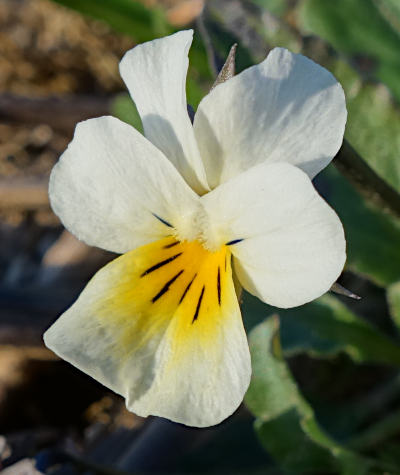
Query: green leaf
[[276, 7], [333, 328], [265, 399], [326, 327], [373, 126], [390, 9], [125, 16], [124, 108], [285, 424], [377, 433], [356, 27], [393, 295], [372, 236]]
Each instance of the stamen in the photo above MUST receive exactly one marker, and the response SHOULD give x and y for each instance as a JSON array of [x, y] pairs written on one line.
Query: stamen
[[187, 288], [160, 264], [196, 314], [166, 287]]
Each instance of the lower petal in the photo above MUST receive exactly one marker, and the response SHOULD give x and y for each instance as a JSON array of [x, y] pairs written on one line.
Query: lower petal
[[161, 326]]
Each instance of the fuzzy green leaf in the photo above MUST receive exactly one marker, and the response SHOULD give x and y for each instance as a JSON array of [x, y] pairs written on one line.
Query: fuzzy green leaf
[[126, 16], [124, 108], [393, 294], [356, 27], [372, 236], [285, 424], [326, 327]]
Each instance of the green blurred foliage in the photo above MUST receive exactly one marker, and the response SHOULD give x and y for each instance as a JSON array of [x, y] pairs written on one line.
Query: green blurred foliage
[[374, 121], [125, 109], [365, 226], [326, 327], [276, 7], [125, 16], [393, 292], [285, 422], [390, 9], [356, 27]]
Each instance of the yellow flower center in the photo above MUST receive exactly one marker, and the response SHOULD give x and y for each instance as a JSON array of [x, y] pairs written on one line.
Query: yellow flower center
[[170, 280]]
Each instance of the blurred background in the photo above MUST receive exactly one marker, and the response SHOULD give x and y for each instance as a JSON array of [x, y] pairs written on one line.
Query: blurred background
[[325, 396]]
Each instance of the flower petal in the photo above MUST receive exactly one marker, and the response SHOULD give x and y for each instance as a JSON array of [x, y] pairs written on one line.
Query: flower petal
[[161, 326], [288, 244], [286, 108], [155, 74], [114, 189]]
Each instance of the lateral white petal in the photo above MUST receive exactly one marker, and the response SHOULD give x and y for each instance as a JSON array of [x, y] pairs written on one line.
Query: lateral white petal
[[155, 74], [285, 109], [293, 246], [150, 349], [111, 184]]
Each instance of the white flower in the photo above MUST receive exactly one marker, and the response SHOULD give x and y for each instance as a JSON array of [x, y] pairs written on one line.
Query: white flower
[[161, 324]]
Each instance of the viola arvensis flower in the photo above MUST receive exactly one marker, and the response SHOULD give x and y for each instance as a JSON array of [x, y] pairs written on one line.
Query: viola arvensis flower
[[187, 206]]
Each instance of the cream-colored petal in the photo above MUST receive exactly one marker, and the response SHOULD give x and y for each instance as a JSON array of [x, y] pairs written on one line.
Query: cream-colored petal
[[155, 74], [113, 188], [162, 327], [285, 109], [288, 244]]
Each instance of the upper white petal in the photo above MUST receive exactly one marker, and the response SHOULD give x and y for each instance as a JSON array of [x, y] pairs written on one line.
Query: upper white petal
[[111, 182], [293, 246], [155, 74], [286, 108]]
